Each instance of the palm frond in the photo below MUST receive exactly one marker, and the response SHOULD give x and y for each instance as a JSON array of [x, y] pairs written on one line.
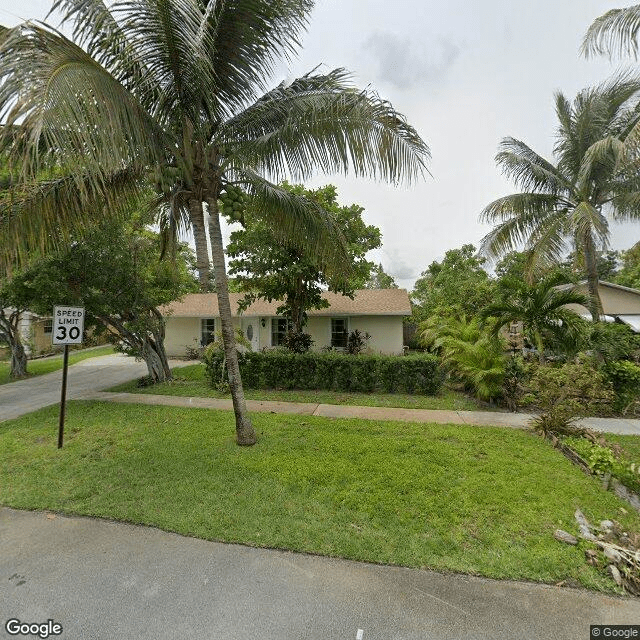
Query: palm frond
[[585, 220], [528, 170], [42, 216], [296, 220], [70, 105], [321, 122], [614, 33], [519, 216], [245, 41]]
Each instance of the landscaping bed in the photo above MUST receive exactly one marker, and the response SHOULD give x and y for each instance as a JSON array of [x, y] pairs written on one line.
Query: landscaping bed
[[483, 501]]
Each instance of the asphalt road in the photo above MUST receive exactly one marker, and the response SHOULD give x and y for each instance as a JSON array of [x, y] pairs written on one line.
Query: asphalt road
[[105, 580]]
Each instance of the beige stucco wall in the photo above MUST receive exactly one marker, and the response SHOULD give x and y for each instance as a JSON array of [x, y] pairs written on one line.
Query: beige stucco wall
[[614, 301], [183, 332], [385, 331]]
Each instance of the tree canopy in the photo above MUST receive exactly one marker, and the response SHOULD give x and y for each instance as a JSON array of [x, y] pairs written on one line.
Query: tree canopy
[[459, 285], [266, 267], [116, 274], [379, 279]]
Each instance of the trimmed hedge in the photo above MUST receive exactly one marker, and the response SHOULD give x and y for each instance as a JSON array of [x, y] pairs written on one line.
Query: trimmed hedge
[[415, 374]]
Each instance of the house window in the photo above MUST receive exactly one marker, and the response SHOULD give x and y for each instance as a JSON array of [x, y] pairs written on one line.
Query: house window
[[339, 333], [48, 325], [207, 331], [279, 328]]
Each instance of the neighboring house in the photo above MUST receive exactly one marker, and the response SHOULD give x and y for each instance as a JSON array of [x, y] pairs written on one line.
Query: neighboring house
[[621, 304], [193, 321], [35, 333]]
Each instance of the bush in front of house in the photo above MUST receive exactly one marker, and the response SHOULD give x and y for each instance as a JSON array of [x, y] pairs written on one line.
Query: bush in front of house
[[625, 379], [279, 369]]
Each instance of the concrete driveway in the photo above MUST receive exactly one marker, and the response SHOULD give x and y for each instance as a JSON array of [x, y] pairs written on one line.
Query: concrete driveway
[[105, 580], [93, 374]]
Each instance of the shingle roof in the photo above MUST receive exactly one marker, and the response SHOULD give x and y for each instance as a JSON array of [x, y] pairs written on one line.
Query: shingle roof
[[383, 302]]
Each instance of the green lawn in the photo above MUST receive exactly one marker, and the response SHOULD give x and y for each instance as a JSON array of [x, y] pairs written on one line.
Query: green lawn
[[449, 497], [189, 381], [47, 365], [630, 444]]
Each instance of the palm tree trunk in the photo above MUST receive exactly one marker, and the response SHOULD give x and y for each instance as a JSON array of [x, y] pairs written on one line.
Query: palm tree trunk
[[245, 434], [196, 214], [591, 264]]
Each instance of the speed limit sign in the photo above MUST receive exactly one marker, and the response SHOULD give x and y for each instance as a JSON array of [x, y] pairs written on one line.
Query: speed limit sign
[[68, 325]]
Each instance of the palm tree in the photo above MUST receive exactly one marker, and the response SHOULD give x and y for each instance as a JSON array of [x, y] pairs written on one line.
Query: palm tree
[[568, 201], [541, 307], [175, 93]]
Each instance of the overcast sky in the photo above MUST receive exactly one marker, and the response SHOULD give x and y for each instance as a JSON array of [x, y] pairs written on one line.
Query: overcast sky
[[465, 73]]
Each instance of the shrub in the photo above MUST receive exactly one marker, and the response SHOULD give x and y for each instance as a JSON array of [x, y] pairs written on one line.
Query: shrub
[[357, 342], [297, 341], [625, 378], [567, 392], [613, 341], [513, 384], [339, 372]]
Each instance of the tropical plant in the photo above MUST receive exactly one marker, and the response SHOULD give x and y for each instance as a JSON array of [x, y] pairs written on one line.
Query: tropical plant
[[168, 92], [541, 308], [568, 202], [473, 356]]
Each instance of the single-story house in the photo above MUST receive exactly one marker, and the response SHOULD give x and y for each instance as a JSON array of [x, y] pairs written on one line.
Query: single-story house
[[619, 304], [192, 321]]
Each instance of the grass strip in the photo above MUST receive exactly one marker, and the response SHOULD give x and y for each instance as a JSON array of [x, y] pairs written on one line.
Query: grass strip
[[448, 497]]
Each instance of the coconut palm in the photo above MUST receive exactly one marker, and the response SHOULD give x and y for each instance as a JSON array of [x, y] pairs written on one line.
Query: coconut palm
[[568, 202], [542, 309], [175, 93]]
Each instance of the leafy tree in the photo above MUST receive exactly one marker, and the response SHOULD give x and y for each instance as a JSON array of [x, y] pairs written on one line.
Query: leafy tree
[[173, 93], [629, 273], [568, 201], [457, 285], [13, 303], [541, 309], [379, 279], [606, 266], [116, 275], [267, 267]]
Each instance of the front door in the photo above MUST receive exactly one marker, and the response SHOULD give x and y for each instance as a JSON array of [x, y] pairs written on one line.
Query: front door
[[251, 332]]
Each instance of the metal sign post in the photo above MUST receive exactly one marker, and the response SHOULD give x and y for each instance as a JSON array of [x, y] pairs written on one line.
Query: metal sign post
[[68, 328]]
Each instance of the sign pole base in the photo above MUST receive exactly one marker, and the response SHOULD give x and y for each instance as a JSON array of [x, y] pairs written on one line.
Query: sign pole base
[[63, 397]]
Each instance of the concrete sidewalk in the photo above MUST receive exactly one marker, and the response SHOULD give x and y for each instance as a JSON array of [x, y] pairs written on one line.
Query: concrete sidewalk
[[104, 580], [625, 426]]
